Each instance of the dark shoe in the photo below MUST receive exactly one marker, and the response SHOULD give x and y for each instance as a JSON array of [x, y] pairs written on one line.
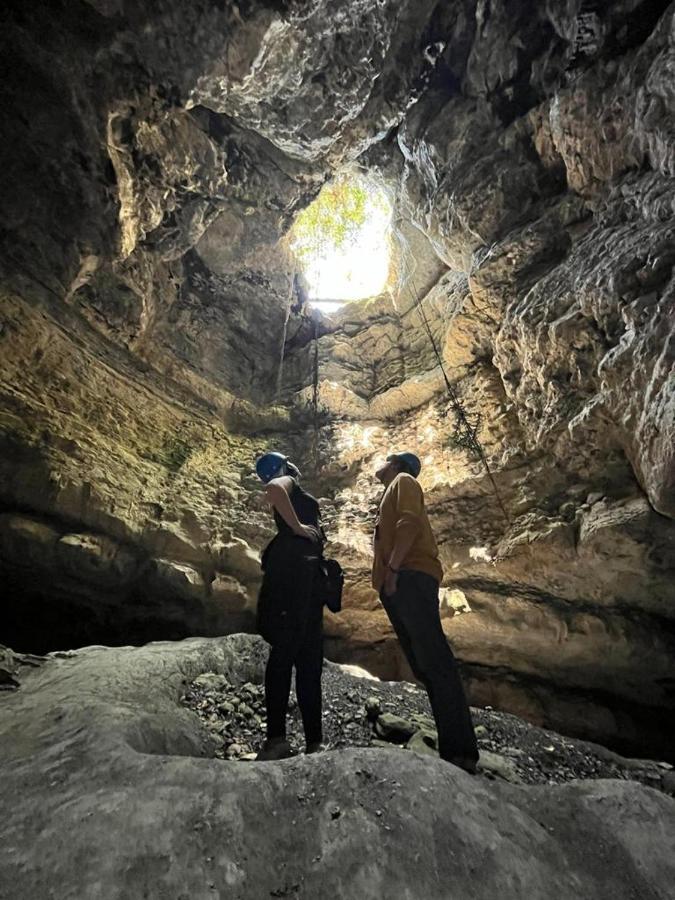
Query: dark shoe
[[314, 747], [466, 763], [276, 748]]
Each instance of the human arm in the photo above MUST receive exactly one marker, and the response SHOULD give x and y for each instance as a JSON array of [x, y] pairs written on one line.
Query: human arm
[[409, 506], [278, 495]]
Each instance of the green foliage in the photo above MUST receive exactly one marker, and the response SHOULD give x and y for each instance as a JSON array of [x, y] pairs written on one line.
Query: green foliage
[[175, 452], [333, 219], [172, 453]]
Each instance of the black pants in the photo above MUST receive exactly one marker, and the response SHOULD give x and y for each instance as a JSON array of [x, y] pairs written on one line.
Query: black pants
[[298, 644], [413, 611]]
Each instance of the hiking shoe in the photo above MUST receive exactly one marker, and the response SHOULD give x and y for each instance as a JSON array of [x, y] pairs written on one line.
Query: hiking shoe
[[467, 763], [314, 747], [277, 748]]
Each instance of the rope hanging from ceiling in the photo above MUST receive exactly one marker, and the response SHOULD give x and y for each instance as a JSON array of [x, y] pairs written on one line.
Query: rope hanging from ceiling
[[467, 425]]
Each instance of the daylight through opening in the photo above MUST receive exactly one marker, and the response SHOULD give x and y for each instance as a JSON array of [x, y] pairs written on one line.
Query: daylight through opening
[[341, 241]]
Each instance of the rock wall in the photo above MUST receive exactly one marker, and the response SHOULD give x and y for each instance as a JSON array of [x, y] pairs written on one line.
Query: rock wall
[[152, 340], [154, 156], [544, 183]]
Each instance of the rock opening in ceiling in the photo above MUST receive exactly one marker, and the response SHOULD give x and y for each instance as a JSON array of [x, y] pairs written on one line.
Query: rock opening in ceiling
[[341, 241]]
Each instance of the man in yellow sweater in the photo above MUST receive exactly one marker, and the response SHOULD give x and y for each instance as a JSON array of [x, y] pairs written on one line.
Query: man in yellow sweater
[[407, 573]]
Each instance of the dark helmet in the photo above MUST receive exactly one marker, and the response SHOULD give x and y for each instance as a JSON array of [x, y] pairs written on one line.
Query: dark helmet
[[269, 465], [409, 462]]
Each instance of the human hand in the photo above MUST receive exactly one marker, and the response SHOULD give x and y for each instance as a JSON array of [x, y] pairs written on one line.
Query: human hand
[[390, 582], [306, 531]]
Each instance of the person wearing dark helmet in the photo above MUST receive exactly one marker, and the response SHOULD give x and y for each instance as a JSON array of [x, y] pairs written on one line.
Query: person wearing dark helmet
[[290, 614], [407, 573]]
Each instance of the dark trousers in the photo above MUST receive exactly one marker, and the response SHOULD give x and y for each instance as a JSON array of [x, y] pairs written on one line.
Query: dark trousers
[[298, 644], [413, 611]]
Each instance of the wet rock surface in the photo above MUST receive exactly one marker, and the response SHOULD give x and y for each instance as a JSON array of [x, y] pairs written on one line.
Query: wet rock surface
[[366, 712]]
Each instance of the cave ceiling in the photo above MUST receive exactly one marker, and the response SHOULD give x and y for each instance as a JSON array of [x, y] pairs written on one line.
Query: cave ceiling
[[154, 338]]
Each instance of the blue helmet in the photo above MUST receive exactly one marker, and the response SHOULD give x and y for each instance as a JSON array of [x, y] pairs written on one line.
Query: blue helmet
[[269, 465], [409, 462]]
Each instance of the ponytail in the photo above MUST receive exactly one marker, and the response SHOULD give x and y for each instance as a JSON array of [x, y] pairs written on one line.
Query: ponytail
[[292, 470]]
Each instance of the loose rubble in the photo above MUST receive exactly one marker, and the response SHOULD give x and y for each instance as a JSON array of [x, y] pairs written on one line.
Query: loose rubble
[[364, 712]]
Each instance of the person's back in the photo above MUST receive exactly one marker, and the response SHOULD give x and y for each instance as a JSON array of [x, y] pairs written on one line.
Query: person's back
[[289, 560], [306, 509], [290, 610], [403, 503]]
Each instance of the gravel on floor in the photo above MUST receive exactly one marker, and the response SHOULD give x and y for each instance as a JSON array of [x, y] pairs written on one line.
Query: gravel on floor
[[366, 712]]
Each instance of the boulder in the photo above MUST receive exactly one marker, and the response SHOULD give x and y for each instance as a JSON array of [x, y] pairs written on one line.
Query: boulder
[[27, 541], [239, 558], [424, 741], [372, 708], [668, 782], [228, 593], [178, 579], [394, 728], [499, 765], [119, 803]]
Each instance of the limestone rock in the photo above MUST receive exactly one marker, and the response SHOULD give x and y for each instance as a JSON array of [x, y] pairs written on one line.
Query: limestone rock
[[28, 541], [241, 559], [498, 765], [153, 339], [668, 782], [179, 578], [11, 666], [372, 708], [97, 559], [129, 754], [228, 591], [394, 728], [424, 741]]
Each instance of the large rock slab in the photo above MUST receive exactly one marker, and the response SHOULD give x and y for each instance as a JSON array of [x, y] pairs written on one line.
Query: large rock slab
[[107, 794]]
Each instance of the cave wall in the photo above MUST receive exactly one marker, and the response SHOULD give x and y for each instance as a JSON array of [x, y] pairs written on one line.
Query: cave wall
[[549, 202], [138, 362], [154, 155], [152, 342]]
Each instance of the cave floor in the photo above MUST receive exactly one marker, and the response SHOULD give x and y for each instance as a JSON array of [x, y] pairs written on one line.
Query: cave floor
[[119, 797], [233, 715]]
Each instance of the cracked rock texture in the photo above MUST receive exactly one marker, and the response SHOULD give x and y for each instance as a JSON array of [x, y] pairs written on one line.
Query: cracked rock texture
[[120, 799], [153, 339]]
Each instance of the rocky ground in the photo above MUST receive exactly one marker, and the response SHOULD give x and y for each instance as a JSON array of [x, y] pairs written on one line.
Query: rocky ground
[[110, 792], [365, 712]]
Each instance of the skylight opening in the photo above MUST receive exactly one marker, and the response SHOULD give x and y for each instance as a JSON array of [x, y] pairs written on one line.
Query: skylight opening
[[341, 241]]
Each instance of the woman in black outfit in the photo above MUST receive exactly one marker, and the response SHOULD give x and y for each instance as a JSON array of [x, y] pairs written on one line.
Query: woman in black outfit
[[290, 614]]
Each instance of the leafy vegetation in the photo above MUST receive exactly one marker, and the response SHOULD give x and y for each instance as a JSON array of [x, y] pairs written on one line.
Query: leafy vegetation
[[338, 223], [172, 453], [334, 219]]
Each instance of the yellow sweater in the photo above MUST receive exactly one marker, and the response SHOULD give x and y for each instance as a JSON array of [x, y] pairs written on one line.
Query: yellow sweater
[[403, 502]]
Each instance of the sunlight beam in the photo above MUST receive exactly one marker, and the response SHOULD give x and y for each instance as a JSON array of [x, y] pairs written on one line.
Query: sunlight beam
[[342, 242]]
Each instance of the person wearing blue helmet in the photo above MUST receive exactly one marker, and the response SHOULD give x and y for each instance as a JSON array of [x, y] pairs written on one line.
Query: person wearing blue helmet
[[407, 574], [269, 465], [290, 613]]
